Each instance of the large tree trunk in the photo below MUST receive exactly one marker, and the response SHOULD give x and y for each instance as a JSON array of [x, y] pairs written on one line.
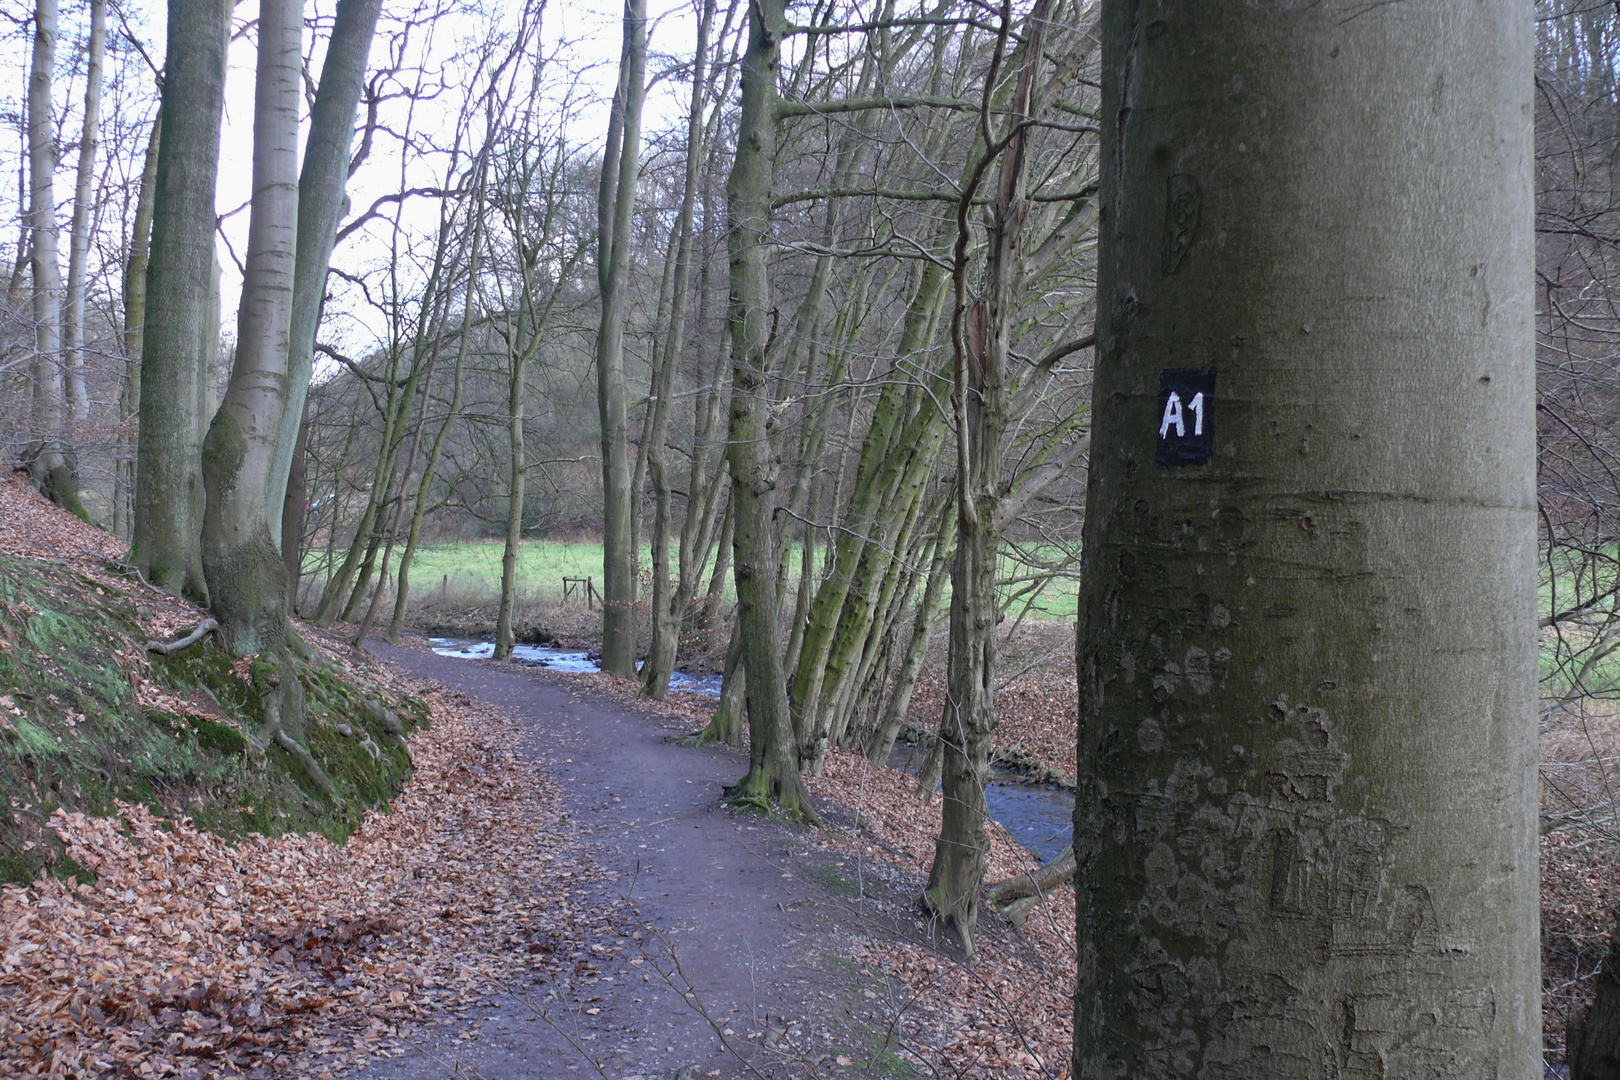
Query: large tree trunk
[[1306, 823], [247, 579], [168, 477], [773, 760], [79, 240], [616, 200], [1593, 1042]]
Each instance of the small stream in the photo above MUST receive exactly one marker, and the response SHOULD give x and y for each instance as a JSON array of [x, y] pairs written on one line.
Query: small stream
[[577, 661], [1039, 816]]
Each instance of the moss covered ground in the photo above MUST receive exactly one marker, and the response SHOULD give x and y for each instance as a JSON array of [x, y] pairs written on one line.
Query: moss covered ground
[[89, 718]]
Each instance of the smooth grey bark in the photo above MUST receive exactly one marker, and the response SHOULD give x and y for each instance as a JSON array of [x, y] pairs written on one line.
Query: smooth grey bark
[[616, 201], [168, 478], [78, 399], [52, 472], [773, 760], [247, 579], [321, 182], [1306, 823]]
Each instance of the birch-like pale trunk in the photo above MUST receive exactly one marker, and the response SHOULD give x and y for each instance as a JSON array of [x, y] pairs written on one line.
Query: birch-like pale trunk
[[78, 398], [1306, 825], [168, 476], [616, 202], [247, 578]]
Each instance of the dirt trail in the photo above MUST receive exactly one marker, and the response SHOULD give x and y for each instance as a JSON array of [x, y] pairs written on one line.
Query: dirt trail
[[761, 936]]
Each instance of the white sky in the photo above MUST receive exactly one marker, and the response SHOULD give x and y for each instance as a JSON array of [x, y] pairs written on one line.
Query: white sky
[[584, 36]]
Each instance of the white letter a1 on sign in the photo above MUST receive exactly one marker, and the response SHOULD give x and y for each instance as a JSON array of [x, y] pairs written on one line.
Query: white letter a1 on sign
[[1186, 428]]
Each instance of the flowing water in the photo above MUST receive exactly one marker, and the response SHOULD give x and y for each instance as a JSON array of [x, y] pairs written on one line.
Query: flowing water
[[1039, 816], [577, 661]]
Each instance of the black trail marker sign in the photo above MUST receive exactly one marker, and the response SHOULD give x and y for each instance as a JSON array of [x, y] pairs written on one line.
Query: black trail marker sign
[[1186, 430]]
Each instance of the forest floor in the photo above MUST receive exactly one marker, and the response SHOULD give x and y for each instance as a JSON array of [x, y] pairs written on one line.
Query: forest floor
[[558, 891]]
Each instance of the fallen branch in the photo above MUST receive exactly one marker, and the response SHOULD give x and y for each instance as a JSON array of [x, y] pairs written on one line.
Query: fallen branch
[[169, 648], [1016, 897]]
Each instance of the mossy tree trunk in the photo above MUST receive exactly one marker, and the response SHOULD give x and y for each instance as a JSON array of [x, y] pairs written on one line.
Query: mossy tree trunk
[[1306, 824], [240, 539], [177, 300], [773, 761]]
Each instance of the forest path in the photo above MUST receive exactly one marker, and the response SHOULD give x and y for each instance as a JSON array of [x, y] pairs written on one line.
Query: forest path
[[758, 934]]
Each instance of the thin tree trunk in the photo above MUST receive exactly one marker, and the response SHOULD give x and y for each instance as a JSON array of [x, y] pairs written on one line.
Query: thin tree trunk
[[168, 476], [321, 199], [1306, 822], [517, 449], [129, 401], [773, 760], [980, 337], [79, 240], [52, 471], [292, 513], [452, 414], [615, 208], [667, 608], [922, 630]]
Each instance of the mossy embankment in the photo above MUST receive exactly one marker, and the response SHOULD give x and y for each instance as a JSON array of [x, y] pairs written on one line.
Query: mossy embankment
[[88, 718]]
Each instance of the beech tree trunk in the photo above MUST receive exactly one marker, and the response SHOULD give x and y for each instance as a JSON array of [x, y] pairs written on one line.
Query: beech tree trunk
[[247, 579], [616, 201], [79, 240], [1593, 1042], [321, 200], [129, 403], [168, 477], [1306, 824], [773, 760], [52, 471]]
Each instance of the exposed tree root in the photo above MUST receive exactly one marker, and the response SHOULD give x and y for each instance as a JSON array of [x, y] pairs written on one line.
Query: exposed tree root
[[169, 648]]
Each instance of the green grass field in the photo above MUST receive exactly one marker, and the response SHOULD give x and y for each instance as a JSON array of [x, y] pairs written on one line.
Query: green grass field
[[474, 570]]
